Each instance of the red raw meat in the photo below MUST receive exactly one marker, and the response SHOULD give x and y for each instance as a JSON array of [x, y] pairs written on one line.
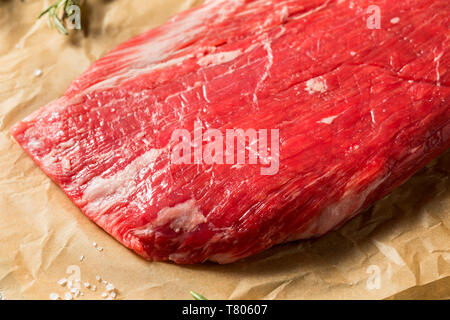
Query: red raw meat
[[359, 110]]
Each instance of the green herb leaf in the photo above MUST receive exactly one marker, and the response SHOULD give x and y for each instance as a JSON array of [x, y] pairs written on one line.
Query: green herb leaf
[[57, 13], [46, 11], [59, 25], [197, 296]]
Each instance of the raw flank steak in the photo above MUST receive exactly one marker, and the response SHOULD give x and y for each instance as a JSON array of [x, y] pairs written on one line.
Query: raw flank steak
[[359, 107]]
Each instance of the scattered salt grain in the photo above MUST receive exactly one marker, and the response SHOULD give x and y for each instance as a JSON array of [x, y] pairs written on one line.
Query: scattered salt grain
[[395, 20], [94, 288], [54, 296], [37, 72], [94, 244], [105, 282], [104, 295], [113, 294], [81, 258], [100, 248], [68, 296], [98, 278], [62, 282], [110, 287], [87, 284], [352, 53]]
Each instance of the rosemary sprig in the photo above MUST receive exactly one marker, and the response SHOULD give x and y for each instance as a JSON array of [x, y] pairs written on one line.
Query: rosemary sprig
[[197, 296], [57, 13]]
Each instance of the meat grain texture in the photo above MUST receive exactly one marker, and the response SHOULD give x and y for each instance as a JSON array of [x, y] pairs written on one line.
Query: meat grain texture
[[359, 110]]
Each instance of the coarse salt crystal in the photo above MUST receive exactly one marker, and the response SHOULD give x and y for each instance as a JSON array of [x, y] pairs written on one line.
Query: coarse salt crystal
[[100, 249], [68, 296], [395, 20], [81, 258], [87, 284], [62, 281], [98, 278], [37, 72], [104, 295], [110, 287], [113, 294], [54, 296]]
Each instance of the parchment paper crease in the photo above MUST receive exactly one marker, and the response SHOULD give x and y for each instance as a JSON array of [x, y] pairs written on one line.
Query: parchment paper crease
[[399, 249]]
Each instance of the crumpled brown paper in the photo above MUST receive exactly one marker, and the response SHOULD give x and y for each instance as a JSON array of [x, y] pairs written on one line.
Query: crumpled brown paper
[[399, 249]]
